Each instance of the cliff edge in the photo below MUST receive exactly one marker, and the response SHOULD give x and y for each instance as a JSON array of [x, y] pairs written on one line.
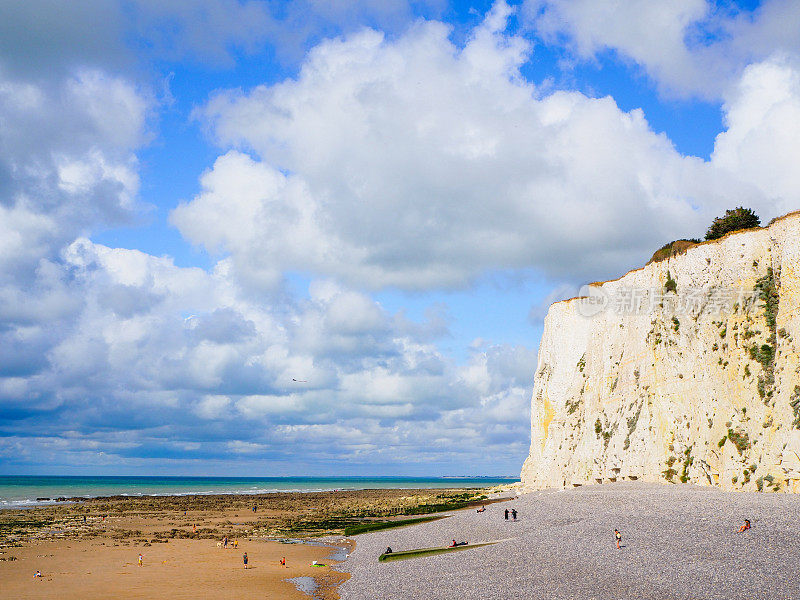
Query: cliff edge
[[684, 370]]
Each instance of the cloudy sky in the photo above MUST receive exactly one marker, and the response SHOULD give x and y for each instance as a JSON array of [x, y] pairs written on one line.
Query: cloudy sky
[[268, 238]]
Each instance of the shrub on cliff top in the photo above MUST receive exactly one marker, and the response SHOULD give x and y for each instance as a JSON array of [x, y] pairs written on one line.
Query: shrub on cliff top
[[672, 249], [733, 220]]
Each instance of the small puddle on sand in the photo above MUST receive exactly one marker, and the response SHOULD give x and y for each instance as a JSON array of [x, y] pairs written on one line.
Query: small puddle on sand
[[307, 585]]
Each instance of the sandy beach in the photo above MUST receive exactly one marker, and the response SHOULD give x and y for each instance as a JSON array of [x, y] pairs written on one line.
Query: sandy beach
[[178, 538], [679, 542], [182, 569]]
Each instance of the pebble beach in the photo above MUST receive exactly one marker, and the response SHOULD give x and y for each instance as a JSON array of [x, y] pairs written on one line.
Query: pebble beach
[[679, 542]]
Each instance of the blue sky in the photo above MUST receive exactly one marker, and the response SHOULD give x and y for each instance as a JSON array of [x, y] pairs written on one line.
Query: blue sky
[[271, 238]]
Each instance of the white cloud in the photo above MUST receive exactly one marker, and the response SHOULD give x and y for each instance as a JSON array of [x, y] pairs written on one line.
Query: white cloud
[[128, 360], [388, 161], [763, 126], [414, 164], [688, 47], [66, 162]]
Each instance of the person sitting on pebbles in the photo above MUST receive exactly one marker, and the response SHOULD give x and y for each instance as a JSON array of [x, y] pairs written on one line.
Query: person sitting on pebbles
[[744, 527]]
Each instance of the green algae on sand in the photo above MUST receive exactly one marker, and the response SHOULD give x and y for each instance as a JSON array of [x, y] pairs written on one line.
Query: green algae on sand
[[420, 552]]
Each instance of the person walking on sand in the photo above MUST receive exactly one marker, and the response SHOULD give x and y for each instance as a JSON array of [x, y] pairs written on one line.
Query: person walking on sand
[[618, 537], [506, 514], [283, 561], [225, 542], [744, 527], [141, 559], [244, 558], [514, 513]]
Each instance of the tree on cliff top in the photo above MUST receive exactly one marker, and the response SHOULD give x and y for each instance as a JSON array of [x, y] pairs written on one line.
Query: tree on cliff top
[[733, 220]]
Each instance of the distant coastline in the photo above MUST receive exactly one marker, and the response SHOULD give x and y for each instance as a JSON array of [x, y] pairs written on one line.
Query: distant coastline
[[32, 490]]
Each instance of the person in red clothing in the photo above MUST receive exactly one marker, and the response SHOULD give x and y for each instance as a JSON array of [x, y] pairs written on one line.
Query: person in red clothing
[[744, 527]]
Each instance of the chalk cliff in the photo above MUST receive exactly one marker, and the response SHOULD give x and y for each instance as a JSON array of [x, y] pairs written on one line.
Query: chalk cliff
[[684, 370]]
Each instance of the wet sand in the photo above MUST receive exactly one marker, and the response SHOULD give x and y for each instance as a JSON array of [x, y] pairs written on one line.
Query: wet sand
[[89, 550]]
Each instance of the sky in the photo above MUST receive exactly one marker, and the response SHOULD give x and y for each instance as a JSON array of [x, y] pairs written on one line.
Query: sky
[[310, 238]]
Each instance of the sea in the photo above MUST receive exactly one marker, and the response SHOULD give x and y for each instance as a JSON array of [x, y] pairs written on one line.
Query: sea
[[30, 491]]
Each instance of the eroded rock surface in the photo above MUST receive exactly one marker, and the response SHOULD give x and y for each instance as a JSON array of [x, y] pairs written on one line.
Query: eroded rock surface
[[689, 371]]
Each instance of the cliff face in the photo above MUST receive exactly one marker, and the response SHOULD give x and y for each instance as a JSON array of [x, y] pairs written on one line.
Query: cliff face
[[684, 370]]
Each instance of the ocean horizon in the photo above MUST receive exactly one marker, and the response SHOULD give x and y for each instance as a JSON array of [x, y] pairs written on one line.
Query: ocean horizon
[[21, 491]]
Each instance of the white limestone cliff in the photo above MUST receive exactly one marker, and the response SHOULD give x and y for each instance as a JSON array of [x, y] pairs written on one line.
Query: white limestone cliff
[[689, 372]]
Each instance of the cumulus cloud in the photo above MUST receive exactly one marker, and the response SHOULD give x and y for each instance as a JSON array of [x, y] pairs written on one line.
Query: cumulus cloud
[[762, 116], [67, 162], [389, 161], [412, 163], [688, 47], [182, 366]]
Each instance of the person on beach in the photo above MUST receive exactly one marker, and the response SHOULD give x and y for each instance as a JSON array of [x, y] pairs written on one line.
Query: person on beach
[[255, 506], [506, 514], [481, 509], [454, 544], [141, 559], [244, 558], [618, 537], [744, 527], [225, 542], [37, 574], [388, 550], [235, 543], [194, 528], [514, 513], [283, 561]]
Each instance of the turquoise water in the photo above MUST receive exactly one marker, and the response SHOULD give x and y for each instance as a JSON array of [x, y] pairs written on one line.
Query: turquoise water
[[17, 492]]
